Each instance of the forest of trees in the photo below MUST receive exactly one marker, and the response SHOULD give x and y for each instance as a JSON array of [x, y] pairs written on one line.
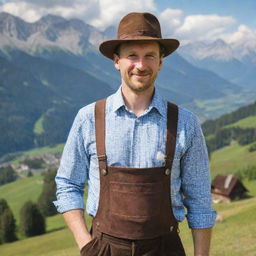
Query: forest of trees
[[218, 136], [212, 126], [224, 136]]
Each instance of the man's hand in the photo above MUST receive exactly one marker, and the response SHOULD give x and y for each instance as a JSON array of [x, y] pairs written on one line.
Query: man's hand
[[201, 239], [76, 223]]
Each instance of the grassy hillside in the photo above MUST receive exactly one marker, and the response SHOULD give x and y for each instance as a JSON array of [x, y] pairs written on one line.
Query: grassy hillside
[[248, 122], [229, 139], [231, 158], [20, 191], [56, 149]]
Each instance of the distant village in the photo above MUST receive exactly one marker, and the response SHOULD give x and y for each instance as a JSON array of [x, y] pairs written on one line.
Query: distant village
[[33, 164]]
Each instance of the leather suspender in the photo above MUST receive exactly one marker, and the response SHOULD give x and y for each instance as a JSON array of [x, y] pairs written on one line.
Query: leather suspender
[[172, 122]]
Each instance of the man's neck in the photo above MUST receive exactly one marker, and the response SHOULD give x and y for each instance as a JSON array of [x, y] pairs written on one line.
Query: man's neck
[[137, 102]]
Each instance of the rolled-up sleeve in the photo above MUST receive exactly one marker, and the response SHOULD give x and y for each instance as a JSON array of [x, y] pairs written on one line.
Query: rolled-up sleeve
[[196, 186], [73, 170]]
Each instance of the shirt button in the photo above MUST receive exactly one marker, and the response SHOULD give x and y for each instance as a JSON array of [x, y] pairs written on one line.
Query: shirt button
[[171, 228], [167, 171], [104, 172]]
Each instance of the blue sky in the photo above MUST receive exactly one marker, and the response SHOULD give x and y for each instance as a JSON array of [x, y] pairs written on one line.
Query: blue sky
[[244, 11]]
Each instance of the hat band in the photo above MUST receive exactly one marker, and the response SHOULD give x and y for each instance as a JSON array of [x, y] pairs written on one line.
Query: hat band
[[140, 33]]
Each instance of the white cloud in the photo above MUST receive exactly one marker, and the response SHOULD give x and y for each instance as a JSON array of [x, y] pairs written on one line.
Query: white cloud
[[243, 34], [242, 41], [204, 27], [21, 10], [99, 13], [33, 10], [112, 11], [170, 20]]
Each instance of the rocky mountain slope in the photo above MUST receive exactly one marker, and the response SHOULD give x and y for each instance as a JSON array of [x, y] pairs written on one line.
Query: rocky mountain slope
[[51, 68], [234, 62]]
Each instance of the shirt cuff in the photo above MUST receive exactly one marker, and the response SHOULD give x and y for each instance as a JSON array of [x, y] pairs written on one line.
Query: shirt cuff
[[68, 204], [201, 220]]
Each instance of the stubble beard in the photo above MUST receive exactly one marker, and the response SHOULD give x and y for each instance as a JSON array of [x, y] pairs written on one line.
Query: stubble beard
[[143, 87]]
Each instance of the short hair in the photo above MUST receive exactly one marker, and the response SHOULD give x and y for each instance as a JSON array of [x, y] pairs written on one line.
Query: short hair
[[161, 50]]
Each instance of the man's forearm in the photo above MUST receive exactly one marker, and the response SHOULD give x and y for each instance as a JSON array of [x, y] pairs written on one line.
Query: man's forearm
[[76, 223], [201, 239]]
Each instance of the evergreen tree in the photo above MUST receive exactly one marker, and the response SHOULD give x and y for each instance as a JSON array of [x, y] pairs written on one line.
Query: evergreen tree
[[8, 226], [48, 194], [7, 174], [3, 206], [30, 173], [7, 223], [32, 221]]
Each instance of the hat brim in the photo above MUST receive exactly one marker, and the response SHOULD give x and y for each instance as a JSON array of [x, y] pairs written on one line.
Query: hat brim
[[107, 48]]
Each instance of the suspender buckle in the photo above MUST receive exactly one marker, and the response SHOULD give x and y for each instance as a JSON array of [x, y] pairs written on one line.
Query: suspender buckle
[[102, 158], [168, 160]]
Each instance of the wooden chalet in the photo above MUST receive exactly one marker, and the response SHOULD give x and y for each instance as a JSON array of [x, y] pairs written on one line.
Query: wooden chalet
[[227, 188]]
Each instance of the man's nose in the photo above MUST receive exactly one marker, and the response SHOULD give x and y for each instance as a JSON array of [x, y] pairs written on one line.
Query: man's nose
[[141, 64]]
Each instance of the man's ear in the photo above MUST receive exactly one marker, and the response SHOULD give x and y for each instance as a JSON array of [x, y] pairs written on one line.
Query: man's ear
[[116, 61], [160, 63]]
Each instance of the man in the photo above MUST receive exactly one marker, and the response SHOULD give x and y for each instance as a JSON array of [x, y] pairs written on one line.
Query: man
[[145, 160]]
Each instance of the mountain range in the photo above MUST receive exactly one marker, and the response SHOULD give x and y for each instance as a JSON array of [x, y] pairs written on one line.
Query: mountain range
[[234, 62], [51, 68]]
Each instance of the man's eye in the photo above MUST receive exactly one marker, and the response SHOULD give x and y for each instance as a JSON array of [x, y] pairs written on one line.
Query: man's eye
[[150, 56], [131, 56]]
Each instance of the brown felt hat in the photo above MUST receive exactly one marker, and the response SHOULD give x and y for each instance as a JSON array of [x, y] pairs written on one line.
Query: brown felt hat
[[138, 27]]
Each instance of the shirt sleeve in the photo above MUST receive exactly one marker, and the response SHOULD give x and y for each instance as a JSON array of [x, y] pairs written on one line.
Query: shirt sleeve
[[196, 186], [73, 170]]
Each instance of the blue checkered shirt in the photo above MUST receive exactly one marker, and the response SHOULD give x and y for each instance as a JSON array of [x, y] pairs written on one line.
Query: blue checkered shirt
[[133, 141]]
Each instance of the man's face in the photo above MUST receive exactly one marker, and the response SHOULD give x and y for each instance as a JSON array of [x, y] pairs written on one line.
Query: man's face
[[139, 63]]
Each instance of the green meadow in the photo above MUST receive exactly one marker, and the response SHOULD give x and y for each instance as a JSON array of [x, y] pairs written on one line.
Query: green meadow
[[248, 122], [231, 158]]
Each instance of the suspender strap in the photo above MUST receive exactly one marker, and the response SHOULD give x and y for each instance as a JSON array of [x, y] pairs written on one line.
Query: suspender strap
[[172, 121], [100, 108]]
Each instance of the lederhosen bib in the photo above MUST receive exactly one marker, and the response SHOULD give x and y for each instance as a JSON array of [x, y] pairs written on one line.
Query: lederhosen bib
[[135, 203]]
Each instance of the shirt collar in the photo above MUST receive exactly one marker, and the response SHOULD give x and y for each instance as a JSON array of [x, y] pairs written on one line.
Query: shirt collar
[[157, 102], [117, 100]]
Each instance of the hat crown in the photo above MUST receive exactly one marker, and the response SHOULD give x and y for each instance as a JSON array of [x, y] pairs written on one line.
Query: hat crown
[[139, 24], [135, 27]]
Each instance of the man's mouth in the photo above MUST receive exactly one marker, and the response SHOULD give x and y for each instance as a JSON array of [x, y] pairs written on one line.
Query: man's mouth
[[140, 75]]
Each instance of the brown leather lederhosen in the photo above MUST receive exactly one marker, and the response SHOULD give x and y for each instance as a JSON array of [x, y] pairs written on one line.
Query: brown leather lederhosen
[[135, 205]]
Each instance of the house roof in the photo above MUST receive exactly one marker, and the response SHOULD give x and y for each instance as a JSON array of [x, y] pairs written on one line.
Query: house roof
[[224, 184]]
